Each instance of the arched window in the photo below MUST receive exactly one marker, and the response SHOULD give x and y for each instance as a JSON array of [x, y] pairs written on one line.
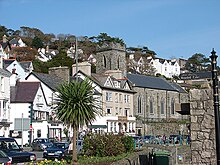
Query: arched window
[[151, 106], [139, 104], [162, 106], [172, 107], [104, 61]]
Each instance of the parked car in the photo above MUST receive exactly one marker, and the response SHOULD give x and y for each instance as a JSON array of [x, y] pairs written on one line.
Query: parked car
[[58, 150], [138, 140], [149, 139], [4, 158], [175, 137], [40, 144], [12, 150]]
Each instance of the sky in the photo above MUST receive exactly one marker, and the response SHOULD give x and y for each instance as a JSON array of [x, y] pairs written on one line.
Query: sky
[[171, 28]]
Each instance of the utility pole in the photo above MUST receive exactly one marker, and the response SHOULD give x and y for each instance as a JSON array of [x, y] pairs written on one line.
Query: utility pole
[[22, 128], [76, 57]]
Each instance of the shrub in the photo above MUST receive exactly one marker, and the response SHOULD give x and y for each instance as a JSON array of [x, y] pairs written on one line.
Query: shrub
[[106, 145], [128, 142]]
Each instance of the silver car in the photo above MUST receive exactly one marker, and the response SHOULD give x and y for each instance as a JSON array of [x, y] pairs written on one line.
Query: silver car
[[40, 144]]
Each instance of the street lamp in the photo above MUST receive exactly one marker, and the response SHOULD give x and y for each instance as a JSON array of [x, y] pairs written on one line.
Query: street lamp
[[216, 103]]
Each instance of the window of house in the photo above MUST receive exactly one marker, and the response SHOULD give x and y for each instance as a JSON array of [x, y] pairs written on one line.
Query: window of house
[[126, 98], [139, 104], [4, 108], [115, 127], [108, 110], [108, 96], [2, 84], [165, 68], [116, 97], [120, 111], [116, 110], [162, 106], [120, 97], [111, 126], [151, 106], [172, 106], [38, 133]]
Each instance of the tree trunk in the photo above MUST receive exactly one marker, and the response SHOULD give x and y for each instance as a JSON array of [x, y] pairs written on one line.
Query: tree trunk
[[74, 157]]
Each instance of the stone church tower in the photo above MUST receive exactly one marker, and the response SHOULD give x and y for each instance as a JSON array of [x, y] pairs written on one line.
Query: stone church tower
[[110, 56]]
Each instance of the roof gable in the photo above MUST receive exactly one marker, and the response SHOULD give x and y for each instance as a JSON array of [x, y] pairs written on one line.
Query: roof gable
[[50, 81], [108, 82]]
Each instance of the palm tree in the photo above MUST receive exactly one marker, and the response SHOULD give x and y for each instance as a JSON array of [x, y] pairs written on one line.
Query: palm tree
[[77, 106]]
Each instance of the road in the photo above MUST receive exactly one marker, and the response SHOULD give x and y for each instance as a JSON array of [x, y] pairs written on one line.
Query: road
[[39, 154]]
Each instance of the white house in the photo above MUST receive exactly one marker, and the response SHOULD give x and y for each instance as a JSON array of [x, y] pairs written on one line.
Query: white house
[[168, 68], [17, 42], [30, 113], [20, 69], [4, 101], [48, 84], [5, 48]]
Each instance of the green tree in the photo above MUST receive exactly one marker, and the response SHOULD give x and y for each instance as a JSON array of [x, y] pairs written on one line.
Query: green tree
[[77, 106], [198, 62], [104, 37], [37, 43]]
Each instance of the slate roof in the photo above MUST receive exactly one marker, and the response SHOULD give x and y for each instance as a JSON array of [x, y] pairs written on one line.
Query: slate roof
[[25, 64], [50, 80], [100, 79], [7, 62], [150, 82], [24, 92], [5, 73], [14, 41], [177, 87], [5, 44]]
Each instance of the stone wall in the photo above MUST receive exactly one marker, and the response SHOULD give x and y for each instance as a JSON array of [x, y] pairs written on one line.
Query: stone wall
[[203, 147]]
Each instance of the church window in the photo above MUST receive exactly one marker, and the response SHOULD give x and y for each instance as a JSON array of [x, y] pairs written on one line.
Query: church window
[[104, 61], [172, 106], [151, 106], [139, 104], [162, 106]]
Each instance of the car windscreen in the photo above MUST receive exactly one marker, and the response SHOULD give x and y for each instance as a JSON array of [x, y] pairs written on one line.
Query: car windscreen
[[60, 145], [9, 145], [43, 140]]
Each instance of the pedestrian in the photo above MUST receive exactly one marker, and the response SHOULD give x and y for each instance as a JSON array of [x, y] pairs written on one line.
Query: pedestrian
[[164, 139]]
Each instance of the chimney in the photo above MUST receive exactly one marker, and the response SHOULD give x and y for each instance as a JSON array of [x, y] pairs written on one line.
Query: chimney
[[61, 72], [85, 67]]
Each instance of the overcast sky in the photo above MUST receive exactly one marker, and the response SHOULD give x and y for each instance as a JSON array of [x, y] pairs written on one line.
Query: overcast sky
[[171, 28]]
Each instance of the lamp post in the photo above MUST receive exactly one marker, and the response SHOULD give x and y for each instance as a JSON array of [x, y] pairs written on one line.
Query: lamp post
[[216, 103]]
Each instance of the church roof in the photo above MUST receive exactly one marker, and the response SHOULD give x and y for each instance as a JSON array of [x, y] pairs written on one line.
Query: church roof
[[150, 82]]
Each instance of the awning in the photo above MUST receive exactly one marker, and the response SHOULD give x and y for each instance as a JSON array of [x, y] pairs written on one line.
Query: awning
[[97, 126]]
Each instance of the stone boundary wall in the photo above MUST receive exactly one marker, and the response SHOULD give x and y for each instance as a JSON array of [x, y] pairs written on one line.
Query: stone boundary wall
[[203, 147]]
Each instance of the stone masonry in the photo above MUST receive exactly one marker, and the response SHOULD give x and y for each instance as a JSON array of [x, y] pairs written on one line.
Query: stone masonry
[[203, 147]]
